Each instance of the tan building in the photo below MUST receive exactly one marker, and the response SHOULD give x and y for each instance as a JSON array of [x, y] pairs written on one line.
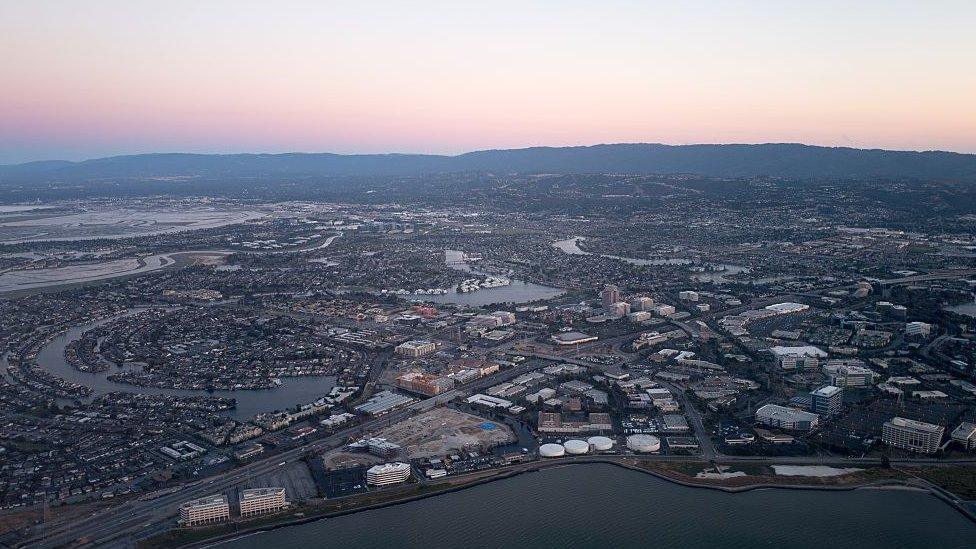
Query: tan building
[[205, 510], [415, 348], [257, 501], [425, 384]]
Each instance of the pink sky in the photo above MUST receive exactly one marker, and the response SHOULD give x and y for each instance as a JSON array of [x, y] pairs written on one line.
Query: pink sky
[[100, 78]]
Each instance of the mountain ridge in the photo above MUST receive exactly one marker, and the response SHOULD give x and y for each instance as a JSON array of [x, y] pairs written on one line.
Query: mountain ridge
[[784, 160]]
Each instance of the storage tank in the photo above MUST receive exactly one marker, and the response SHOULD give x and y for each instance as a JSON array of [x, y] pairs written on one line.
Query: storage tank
[[600, 444], [552, 450], [644, 443], [576, 447]]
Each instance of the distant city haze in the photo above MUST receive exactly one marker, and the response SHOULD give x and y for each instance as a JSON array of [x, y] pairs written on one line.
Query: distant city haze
[[99, 78]]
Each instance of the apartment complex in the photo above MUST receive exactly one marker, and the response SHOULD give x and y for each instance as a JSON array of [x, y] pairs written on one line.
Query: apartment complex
[[415, 348], [425, 384]]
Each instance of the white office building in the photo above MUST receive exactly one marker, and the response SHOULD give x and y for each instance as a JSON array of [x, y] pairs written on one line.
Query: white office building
[[786, 418], [258, 501], [205, 510], [911, 435], [388, 473]]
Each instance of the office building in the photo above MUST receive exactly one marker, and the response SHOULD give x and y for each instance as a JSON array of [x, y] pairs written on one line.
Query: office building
[[918, 329], [609, 296], [786, 418], [848, 373], [911, 435], [258, 501], [827, 401], [388, 473], [965, 434], [205, 510]]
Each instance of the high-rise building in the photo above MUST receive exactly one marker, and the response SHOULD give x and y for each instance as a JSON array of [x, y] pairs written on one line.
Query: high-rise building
[[205, 510], [915, 436], [257, 501], [388, 473], [610, 295], [827, 400]]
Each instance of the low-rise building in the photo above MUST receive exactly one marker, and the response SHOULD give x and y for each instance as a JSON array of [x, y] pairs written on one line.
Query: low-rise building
[[783, 417], [388, 473]]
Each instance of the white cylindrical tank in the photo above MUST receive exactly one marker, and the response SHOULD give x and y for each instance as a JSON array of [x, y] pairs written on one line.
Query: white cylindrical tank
[[644, 443], [552, 450], [576, 447], [600, 444]]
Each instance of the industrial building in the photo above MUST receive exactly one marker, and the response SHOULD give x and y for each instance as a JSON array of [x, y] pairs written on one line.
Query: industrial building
[[205, 510], [553, 422], [911, 435], [786, 418], [572, 338], [552, 450], [388, 473], [258, 501], [644, 444], [383, 402]]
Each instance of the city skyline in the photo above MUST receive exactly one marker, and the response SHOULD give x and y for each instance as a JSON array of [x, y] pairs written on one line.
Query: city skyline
[[118, 78]]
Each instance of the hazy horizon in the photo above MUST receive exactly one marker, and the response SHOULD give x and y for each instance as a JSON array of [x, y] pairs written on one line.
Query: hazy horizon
[[108, 78]]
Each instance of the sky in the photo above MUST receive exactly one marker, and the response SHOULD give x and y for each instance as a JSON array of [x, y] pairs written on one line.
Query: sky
[[82, 79]]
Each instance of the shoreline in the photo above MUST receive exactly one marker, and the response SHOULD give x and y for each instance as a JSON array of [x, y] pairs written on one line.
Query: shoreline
[[535, 466]]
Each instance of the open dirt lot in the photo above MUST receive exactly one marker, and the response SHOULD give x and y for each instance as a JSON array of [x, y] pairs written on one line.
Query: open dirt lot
[[442, 430]]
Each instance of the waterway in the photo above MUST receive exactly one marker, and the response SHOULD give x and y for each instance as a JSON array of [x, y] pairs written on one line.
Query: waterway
[[968, 309], [719, 273], [292, 391], [518, 291], [600, 506]]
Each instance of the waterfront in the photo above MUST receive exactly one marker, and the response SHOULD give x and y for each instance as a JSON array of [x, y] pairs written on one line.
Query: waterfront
[[518, 291], [599, 505], [967, 309], [718, 274], [292, 391]]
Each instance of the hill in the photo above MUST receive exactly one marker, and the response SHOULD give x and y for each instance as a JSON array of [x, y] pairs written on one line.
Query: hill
[[775, 160]]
